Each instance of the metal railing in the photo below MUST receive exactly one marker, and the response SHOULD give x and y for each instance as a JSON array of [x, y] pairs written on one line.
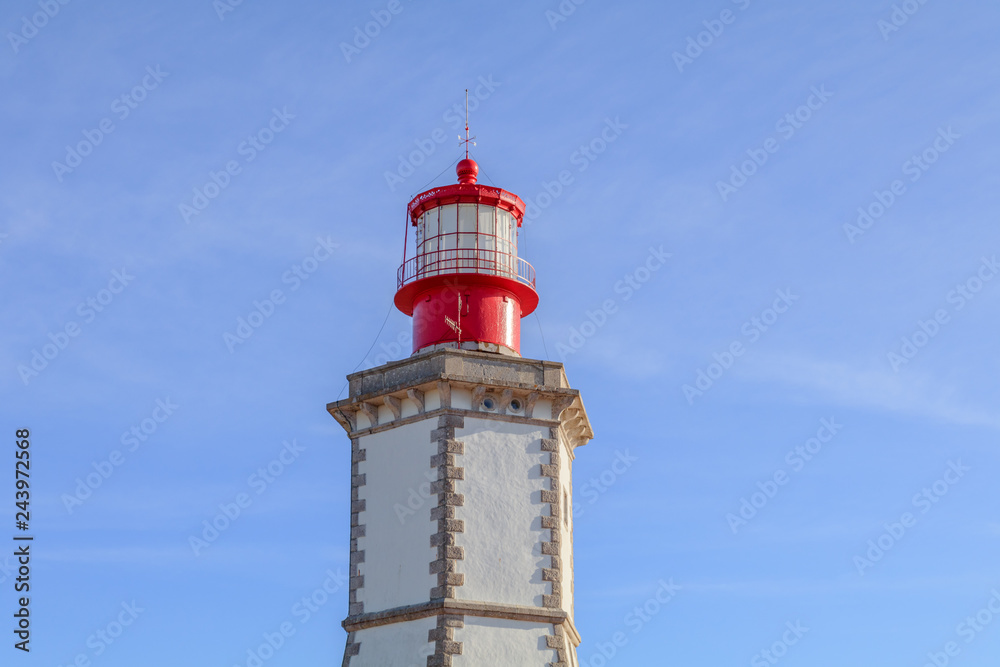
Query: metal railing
[[462, 260]]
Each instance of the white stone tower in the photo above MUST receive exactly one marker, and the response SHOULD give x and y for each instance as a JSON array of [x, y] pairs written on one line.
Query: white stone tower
[[461, 459]]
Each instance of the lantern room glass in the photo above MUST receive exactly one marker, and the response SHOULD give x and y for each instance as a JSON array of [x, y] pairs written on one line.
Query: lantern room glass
[[466, 238]]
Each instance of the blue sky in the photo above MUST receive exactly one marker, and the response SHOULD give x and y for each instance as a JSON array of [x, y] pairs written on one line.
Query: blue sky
[[805, 112]]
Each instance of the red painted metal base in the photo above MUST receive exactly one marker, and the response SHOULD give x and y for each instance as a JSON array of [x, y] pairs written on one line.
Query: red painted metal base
[[491, 309]]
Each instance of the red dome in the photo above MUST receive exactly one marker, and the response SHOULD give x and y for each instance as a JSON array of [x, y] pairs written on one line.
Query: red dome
[[468, 171]]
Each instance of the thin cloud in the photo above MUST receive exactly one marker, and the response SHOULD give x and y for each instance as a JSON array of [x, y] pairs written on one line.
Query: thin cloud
[[867, 387]]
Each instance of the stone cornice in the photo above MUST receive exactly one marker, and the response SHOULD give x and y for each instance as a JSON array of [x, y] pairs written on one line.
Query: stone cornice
[[504, 377]]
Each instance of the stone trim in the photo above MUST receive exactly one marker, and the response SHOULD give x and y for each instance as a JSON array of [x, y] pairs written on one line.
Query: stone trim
[[571, 634], [552, 497], [448, 525], [448, 528], [349, 417], [573, 420], [460, 607], [394, 404], [353, 648], [557, 642], [444, 393], [356, 580], [529, 404], [506, 396], [567, 441], [370, 411], [443, 637], [478, 394], [417, 397], [561, 403]]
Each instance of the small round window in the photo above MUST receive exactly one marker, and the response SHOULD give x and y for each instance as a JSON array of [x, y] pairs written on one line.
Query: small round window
[[515, 405], [489, 403]]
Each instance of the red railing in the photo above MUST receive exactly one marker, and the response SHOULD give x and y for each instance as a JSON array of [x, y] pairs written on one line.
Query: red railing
[[461, 260]]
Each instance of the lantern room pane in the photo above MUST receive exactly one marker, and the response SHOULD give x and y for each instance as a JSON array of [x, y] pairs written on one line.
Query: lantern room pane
[[503, 223], [466, 240], [431, 223], [427, 240], [449, 219], [467, 218], [466, 255], [486, 215], [485, 258]]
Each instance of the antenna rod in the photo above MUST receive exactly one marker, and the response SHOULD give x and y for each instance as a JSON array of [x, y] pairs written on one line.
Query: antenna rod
[[468, 140]]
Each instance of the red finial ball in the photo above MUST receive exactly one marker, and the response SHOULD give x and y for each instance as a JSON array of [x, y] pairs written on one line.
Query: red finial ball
[[468, 171]]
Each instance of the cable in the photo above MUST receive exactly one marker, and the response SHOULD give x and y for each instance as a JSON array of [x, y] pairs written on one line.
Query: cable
[[381, 328], [435, 178], [544, 346], [486, 175], [406, 230]]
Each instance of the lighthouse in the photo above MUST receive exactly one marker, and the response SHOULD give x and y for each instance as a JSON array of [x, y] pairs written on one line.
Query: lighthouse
[[461, 546]]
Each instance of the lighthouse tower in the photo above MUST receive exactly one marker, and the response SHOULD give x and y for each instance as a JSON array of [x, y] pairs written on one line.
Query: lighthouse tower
[[461, 458]]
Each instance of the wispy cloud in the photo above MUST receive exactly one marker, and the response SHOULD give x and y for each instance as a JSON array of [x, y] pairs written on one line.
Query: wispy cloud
[[856, 385], [972, 583]]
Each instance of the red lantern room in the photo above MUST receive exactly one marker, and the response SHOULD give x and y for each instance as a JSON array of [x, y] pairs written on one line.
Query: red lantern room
[[465, 286]]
